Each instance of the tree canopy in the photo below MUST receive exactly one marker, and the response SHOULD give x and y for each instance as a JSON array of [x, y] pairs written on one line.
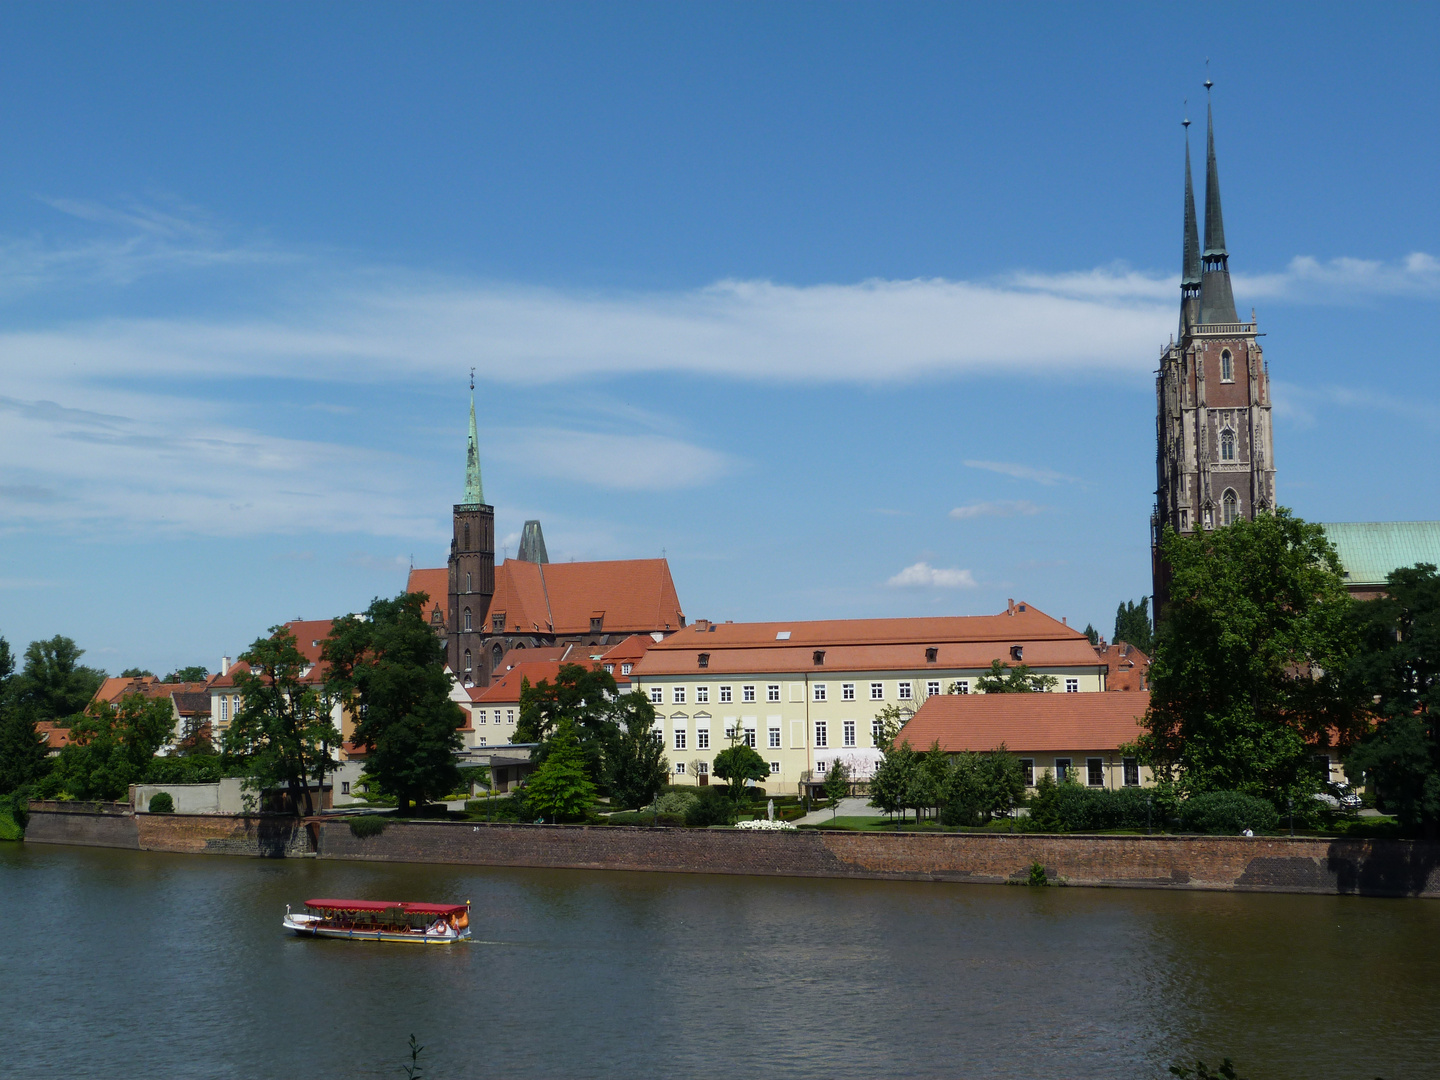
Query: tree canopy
[[52, 687], [193, 673], [1397, 668], [1246, 678], [560, 788], [1132, 625], [1001, 678], [388, 667], [636, 768], [110, 748], [738, 765], [588, 698]]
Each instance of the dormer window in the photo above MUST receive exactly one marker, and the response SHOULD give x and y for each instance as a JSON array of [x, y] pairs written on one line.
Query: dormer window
[[436, 619], [497, 622], [1227, 367], [1017, 652], [931, 655], [597, 622], [819, 657], [704, 659], [625, 669]]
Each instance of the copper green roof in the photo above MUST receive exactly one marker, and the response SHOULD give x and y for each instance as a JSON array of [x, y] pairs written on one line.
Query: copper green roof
[[1369, 550]]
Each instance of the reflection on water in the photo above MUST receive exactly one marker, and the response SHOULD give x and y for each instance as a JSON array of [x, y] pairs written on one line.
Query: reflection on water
[[129, 964]]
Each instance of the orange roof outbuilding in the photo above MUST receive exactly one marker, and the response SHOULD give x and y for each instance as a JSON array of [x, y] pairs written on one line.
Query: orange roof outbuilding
[[1026, 722]]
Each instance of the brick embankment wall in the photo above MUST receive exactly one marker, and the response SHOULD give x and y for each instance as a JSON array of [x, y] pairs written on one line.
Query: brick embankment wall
[[1383, 868], [200, 834]]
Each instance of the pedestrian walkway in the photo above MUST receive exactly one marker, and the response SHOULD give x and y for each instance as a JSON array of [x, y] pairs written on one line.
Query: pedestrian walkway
[[853, 807]]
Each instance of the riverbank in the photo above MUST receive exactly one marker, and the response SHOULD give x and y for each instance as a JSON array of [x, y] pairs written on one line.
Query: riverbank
[[1264, 864]]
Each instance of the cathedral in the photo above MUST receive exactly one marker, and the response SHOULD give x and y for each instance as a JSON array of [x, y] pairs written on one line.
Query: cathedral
[[1215, 458], [486, 612]]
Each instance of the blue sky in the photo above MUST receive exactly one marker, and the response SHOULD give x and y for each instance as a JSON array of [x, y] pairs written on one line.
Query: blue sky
[[848, 309]]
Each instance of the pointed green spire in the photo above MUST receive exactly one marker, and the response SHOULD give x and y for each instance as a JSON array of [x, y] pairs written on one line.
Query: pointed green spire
[[1190, 271], [1214, 224], [474, 488]]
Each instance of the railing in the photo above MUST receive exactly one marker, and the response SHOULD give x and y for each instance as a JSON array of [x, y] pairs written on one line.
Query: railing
[[1223, 328]]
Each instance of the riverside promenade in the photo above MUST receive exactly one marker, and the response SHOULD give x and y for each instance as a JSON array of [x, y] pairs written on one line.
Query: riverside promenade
[[1262, 864]]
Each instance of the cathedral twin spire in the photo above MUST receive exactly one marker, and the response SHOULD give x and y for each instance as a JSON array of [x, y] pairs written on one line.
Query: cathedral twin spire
[[1205, 294], [474, 488]]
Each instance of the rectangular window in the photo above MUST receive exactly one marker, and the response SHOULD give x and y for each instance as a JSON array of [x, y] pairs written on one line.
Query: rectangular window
[[819, 691], [849, 730], [847, 691], [904, 691], [724, 694], [609, 669], [932, 687], [774, 738], [344, 787], [482, 740], [657, 695], [679, 695], [1062, 768], [750, 737], [1027, 770], [1095, 772], [877, 691], [1072, 686], [877, 729], [962, 686], [625, 669], [679, 738], [702, 738], [747, 693], [679, 768], [772, 692], [1131, 768], [702, 695], [730, 730], [509, 716], [224, 709], [702, 768], [479, 716], [820, 733], [774, 768]]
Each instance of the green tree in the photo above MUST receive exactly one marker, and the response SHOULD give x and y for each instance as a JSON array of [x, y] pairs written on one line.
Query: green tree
[[737, 765], [1397, 668], [636, 768], [137, 673], [1001, 678], [1247, 671], [891, 778], [585, 696], [1092, 634], [22, 750], [926, 788], [283, 729], [560, 789], [193, 673], [979, 786], [54, 685], [837, 784], [110, 748], [388, 668], [1132, 625]]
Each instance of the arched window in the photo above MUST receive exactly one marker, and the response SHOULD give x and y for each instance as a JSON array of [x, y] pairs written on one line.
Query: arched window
[[467, 661], [1227, 367], [1227, 445], [467, 618], [496, 655], [1230, 503], [467, 581]]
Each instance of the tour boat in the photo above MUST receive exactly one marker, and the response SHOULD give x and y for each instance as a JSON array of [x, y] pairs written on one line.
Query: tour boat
[[382, 920]]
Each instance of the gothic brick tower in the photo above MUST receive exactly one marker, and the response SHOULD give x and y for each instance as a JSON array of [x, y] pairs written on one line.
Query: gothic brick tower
[[472, 569], [1215, 458]]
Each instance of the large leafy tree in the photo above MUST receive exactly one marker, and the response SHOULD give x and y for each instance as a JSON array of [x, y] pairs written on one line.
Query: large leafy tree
[[1397, 669], [1001, 678], [111, 747], [22, 750], [636, 768], [388, 667], [739, 765], [979, 786], [560, 789], [1132, 624], [283, 729], [52, 687], [1246, 678], [193, 673], [587, 697]]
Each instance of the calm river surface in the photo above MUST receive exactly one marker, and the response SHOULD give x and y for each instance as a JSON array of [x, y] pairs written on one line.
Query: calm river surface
[[137, 964]]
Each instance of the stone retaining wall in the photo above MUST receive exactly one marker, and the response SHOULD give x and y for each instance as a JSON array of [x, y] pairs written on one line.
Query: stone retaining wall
[[1278, 864], [198, 834]]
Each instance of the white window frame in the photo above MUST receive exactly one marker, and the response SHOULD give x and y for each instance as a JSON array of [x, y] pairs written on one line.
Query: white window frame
[[818, 691], [1027, 771], [962, 686], [848, 733], [702, 695], [877, 728], [847, 691], [625, 669], [774, 768], [1072, 686], [657, 695], [772, 691], [822, 735], [679, 739], [877, 691], [1129, 766], [932, 687], [1068, 764], [747, 693], [774, 738], [678, 694], [725, 695], [679, 768], [905, 690]]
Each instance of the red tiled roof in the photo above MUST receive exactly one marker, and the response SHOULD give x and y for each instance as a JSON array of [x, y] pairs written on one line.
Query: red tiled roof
[[114, 688], [56, 736], [1127, 668], [505, 690], [967, 642], [435, 584], [310, 635], [630, 595], [1026, 722]]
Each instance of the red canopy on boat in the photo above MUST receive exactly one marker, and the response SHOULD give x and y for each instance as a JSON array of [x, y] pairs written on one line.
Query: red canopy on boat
[[386, 905]]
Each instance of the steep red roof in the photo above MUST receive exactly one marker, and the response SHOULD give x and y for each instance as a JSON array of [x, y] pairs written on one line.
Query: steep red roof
[[1026, 722], [310, 635], [963, 641], [505, 690], [114, 688], [1127, 668], [435, 584], [627, 595]]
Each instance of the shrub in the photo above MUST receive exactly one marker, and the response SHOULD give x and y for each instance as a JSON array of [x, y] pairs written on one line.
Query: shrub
[[1227, 813], [1037, 875], [676, 802], [370, 825], [710, 809], [12, 818], [162, 803]]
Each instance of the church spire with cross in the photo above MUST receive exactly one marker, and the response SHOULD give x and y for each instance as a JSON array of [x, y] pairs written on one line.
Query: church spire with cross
[[1190, 263], [1217, 302], [474, 486]]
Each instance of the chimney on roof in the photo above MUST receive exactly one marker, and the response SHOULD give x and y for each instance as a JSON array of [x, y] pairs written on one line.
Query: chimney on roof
[[224, 665], [1010, 607]]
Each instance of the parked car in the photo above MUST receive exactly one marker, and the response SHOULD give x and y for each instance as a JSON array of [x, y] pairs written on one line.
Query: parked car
[[1339, 797]]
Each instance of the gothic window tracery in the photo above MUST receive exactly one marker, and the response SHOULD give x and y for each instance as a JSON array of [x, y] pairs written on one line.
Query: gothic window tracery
[[1230, 504], [1227, 445]]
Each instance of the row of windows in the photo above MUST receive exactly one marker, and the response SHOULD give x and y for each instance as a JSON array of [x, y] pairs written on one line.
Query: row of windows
[[1094, 771], [509, 716], [702, 768], [680, 736], [905, 691]]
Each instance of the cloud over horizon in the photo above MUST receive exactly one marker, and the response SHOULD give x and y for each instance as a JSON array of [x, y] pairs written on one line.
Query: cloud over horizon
[[922, 575]]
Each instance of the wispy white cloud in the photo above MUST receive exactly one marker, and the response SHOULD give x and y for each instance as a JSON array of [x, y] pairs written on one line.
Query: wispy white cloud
[[1000, 508], [1299, 403], [1329, 280], [1023, 472], [922, 575], [619, 462]]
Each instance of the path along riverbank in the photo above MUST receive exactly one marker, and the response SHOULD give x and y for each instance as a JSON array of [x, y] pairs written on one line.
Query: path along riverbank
[[1266, 864]]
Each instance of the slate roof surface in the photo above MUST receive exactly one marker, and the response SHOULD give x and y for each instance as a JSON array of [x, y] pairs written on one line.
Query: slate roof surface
[[1026, 723], [1369, 550]]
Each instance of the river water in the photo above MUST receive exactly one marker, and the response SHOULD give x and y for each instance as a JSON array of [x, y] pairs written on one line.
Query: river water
[[138, 964]]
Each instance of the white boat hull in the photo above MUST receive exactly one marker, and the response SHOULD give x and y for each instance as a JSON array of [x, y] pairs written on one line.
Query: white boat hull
[[312, 926]]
